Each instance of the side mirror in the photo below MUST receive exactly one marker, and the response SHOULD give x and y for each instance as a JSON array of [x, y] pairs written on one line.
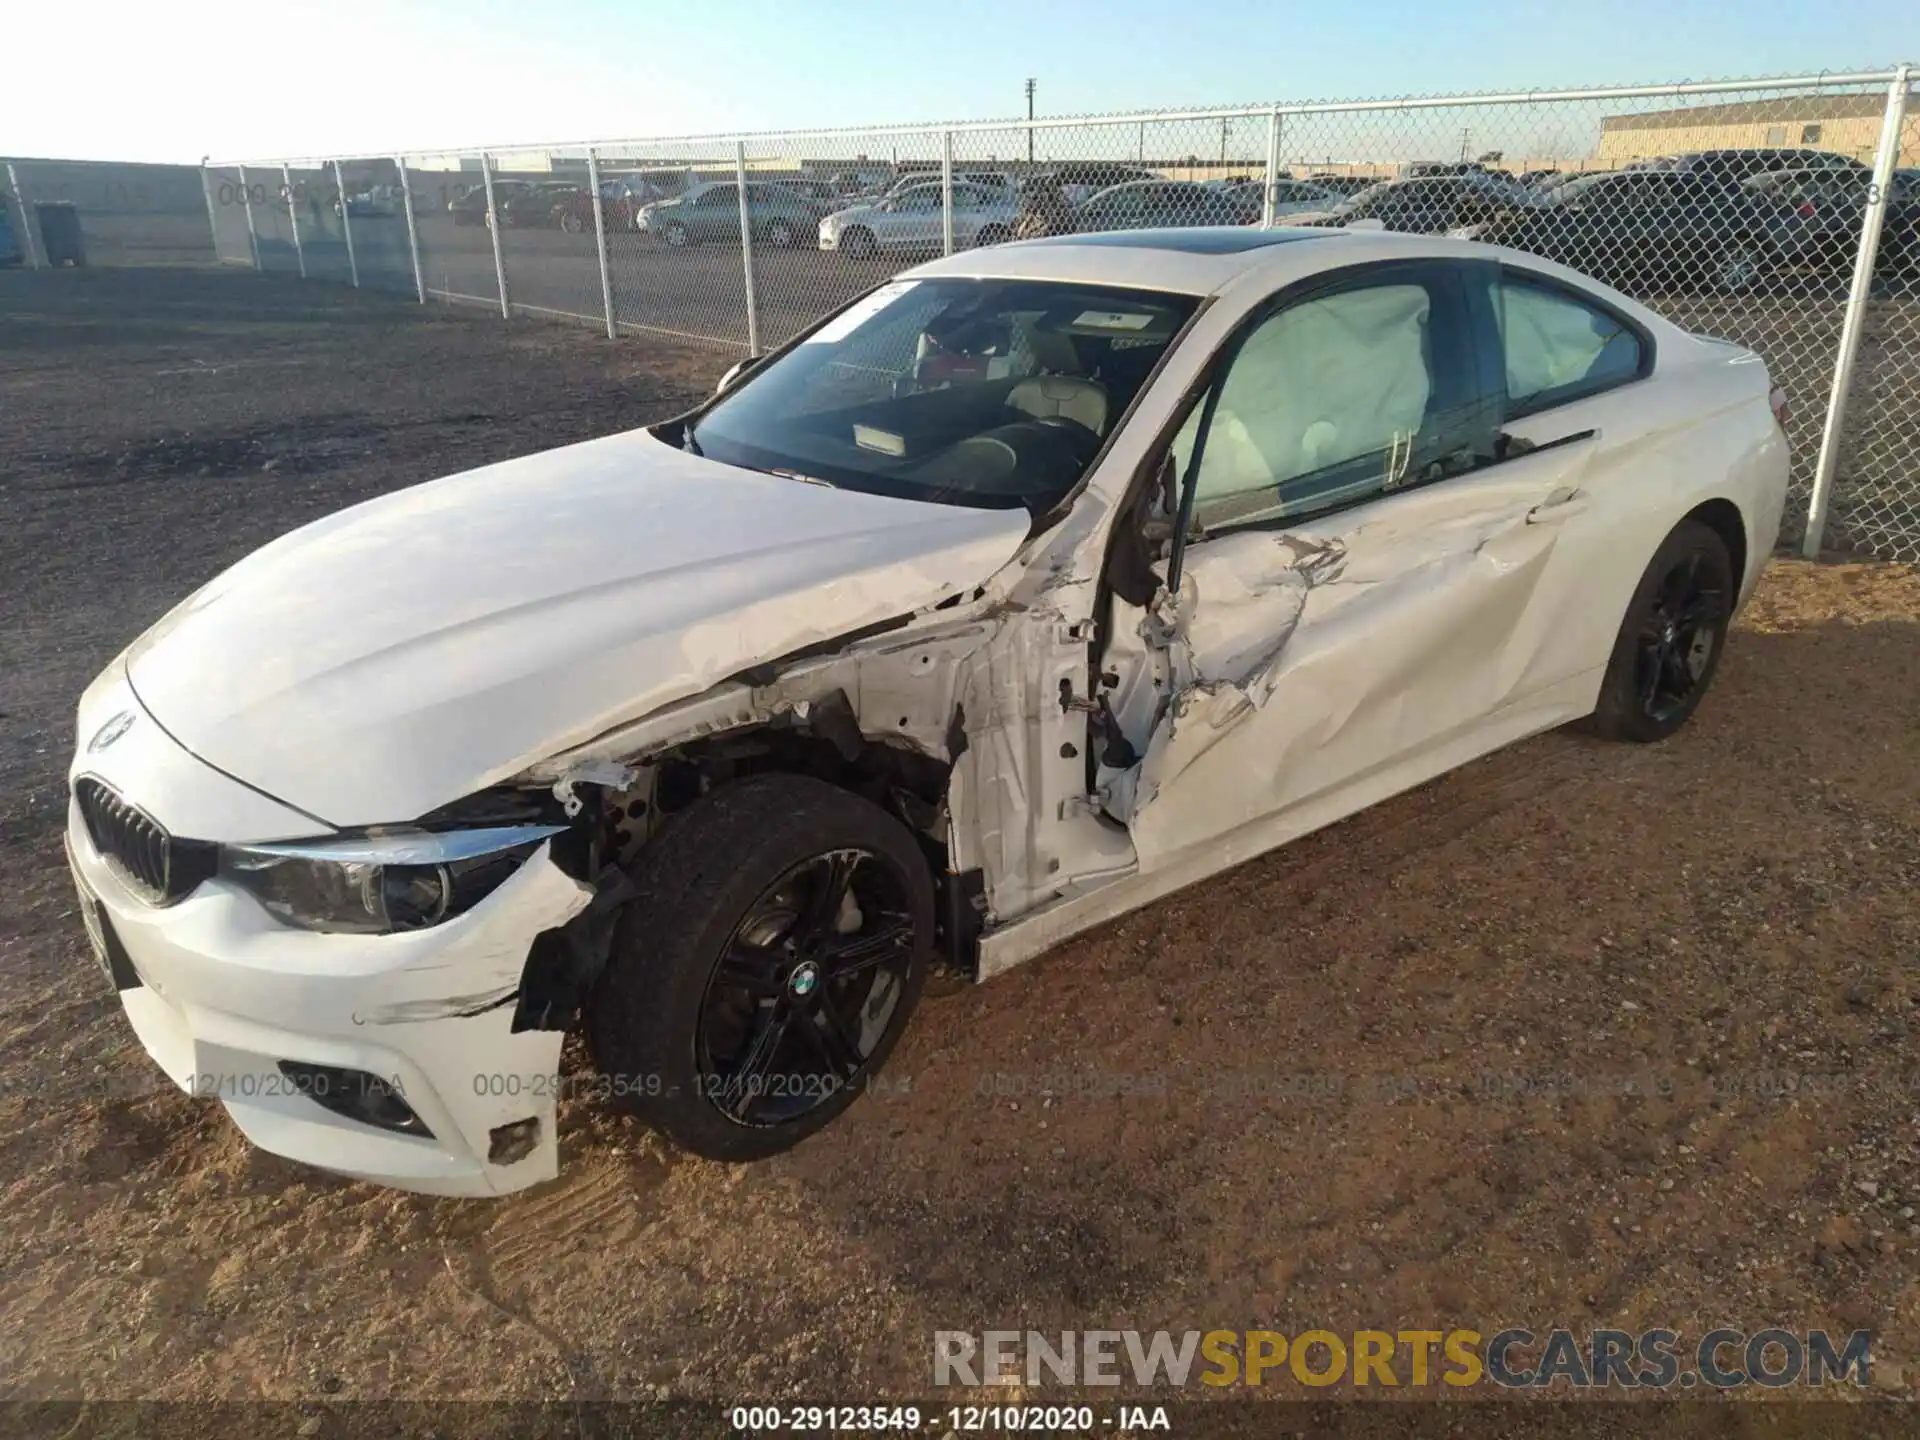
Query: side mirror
[[734, 372]]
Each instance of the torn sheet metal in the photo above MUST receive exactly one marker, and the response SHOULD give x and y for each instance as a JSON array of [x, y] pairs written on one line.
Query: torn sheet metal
[[1303, 660]]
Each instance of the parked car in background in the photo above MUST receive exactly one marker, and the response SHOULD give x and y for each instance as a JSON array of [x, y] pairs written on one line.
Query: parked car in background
[[471, 208], [1290, 197], [1426, 169], [1345, 186], [621, 197], [912, 221], [1430, 205], [376, 202], [1158, 204], [540, 205], [1658, 229], [981, 179], [1734, 165], [863, 181], [1079, 181], [710, 211], [1833, 203], [820, 194]]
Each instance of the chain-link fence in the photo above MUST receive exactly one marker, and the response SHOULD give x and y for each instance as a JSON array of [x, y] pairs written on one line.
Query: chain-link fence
[[1781, 214], [90, 212]]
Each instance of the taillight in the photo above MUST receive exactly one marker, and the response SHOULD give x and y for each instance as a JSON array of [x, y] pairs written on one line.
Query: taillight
[[1777, 402], [1806, 209]]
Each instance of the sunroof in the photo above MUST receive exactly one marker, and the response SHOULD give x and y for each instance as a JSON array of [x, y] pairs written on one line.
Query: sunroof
[[1196, 240]]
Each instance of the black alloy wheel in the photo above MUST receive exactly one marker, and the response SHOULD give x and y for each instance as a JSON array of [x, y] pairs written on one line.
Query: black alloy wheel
[[777, 943], [1678, 637], [1672, 638], [805, 988]]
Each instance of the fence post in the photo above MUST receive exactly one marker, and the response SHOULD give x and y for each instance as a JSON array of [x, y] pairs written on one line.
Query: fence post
[[946, 191], [246, 201], [493, 229], [746, 245], [413, 234], [1271, 188], [293, 218], [1884, 161], [600, 236], [346, 225], [26, 217], [213, 215]]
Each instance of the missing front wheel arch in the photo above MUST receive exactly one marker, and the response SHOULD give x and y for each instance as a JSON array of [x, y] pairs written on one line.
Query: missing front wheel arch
[[563, 963]]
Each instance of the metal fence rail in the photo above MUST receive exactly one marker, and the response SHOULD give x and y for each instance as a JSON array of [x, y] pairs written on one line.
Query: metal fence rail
[[741, 241]]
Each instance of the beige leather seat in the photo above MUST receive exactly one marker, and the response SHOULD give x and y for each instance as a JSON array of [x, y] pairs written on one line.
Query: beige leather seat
[[1043, 395]]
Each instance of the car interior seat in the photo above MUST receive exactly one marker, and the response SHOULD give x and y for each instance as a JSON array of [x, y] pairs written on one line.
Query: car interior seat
[[1066, 396]]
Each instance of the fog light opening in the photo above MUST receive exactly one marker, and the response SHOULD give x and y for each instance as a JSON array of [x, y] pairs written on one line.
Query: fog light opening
[[508, 1144], [357, 1095]]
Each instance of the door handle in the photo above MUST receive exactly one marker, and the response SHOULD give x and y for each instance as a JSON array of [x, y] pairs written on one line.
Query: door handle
[[1562, 504]]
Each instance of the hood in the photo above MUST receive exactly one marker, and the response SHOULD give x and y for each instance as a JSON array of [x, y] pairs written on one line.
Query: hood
[[854, 212], [406, 652]]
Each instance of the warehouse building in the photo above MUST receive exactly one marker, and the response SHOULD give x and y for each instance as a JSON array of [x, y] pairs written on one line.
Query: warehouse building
[[1846, 124]]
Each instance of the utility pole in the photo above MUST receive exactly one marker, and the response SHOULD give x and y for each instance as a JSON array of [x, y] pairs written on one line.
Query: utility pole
[[1223, 142], [1030, 85]]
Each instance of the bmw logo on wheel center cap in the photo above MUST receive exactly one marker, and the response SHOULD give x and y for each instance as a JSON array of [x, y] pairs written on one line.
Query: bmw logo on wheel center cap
[[804, 978]]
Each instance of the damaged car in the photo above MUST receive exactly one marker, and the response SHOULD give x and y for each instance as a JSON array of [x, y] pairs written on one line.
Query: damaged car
[[1033, 585]]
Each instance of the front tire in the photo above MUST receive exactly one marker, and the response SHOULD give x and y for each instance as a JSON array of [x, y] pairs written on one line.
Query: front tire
[[776, 946], [678, 237], [1671, 639], [858, 243]]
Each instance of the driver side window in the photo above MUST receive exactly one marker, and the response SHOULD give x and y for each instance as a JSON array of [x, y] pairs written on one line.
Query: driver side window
[[1332, 399]]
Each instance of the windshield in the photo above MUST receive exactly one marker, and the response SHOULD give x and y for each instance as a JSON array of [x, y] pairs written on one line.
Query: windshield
[[987, 393], [1366, 196]]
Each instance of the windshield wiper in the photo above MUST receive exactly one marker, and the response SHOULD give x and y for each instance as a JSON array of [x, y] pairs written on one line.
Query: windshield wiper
[[802, 478]]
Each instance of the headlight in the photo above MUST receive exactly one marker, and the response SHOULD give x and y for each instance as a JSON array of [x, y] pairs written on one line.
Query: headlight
[[377, 884]]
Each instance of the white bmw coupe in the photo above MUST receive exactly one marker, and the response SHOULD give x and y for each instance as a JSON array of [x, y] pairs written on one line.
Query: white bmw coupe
[[1035, 584]]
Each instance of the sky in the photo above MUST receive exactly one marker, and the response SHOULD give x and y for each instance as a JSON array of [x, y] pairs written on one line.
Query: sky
[[176, 80]]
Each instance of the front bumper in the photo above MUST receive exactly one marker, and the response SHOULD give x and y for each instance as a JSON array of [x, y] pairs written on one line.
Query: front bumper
[[220, 992], [225, 993]]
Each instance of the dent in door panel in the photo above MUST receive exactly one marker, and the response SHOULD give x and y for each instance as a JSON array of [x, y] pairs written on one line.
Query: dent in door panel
[[1321, 659]]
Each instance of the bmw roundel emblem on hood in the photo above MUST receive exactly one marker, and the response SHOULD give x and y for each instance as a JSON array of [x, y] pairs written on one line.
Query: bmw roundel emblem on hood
[[111, 731]]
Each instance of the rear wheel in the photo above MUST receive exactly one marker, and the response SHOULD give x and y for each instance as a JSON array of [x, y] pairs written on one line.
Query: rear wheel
[[572, 223], [1736, 268], [778, 943], [781, 235], [1670, 642], [994, 235]]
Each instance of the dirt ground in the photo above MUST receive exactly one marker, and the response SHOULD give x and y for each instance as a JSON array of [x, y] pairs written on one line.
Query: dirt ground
[[1580, 1035]]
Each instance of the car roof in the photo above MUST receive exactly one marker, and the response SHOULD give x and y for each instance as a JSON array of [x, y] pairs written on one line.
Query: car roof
[[1193, 260], [1185, 262]]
